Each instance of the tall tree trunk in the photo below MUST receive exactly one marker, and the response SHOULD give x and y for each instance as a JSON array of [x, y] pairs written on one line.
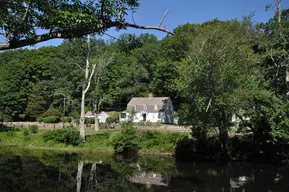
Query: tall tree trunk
[[223, 133], [82, 117], [96, 123], [96, 107], [79, 176], [85, 88]]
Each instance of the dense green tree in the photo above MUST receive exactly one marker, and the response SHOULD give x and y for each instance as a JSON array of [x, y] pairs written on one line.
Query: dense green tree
[[177, 46], [24, 69], [216, 75], [273, 45], [37, 104]]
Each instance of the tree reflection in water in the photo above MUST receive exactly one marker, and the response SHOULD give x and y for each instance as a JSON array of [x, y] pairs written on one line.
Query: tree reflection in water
[[28, 170]]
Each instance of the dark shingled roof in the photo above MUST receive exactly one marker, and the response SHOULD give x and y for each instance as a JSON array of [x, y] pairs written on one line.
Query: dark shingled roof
[[139, 102]]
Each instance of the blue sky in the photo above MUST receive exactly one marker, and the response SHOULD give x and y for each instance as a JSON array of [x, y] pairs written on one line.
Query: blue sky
[[189, 11]]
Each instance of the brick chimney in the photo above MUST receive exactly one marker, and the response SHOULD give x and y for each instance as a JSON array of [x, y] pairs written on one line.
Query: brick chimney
[[150, 95]]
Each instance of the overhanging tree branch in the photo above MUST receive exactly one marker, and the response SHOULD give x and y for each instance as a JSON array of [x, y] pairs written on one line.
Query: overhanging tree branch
[[79, 32]]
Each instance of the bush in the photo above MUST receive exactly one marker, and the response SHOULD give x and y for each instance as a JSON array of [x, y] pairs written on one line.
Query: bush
[[49, 116], [39, 119], [159, 141], [4, 128], [65, 119], [25, 132], [126, 141], [49, 119], [114, 117], [34, 129], [89, 120], [110, 120], [68, 136]]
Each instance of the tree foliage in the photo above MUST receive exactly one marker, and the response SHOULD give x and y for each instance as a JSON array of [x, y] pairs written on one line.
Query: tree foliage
[[20, 21]]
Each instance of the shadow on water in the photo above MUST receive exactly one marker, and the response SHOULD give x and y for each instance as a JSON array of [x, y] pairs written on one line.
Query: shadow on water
[[35, 170]]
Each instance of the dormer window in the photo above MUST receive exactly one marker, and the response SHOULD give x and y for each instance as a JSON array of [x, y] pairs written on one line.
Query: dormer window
[[156, 107], [145, 107], [134, 107]]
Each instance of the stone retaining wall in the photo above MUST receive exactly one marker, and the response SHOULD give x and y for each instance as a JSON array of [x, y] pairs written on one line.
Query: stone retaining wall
[[52, 126]]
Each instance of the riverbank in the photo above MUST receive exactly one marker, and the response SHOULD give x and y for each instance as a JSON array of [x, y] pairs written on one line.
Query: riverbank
[[150, 142]]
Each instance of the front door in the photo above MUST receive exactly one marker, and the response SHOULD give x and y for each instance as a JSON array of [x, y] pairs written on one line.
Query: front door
[[144, 117]]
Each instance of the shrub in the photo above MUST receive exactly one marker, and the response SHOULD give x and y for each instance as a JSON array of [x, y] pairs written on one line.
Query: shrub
[[25, 132], [34, 129], [110, 120], [49, 116], [4, 128], [159, 141], [114, 117], [49, 119], [68, 136], [89, 120], [65, 119], [126, 141], [39, 119]]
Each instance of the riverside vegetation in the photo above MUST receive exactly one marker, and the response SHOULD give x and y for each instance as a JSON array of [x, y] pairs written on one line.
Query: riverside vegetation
[[130, 141], [125, 140]]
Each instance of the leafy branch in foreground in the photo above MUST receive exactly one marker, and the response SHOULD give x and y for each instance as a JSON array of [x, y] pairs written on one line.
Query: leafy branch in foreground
[[20, 21]]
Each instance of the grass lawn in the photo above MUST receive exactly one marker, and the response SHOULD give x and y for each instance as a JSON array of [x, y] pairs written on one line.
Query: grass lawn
[[150, 142]]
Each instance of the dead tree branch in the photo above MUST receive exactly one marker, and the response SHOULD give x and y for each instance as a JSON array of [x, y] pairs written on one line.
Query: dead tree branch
[[160, 24], [80, 32]]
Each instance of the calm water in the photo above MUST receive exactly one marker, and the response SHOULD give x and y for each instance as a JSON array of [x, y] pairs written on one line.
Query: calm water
[[35, 170]]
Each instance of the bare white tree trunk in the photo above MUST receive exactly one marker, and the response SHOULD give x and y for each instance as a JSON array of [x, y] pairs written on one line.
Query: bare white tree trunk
[[79, 176], [88, 70], [82, 117], [96, 120]]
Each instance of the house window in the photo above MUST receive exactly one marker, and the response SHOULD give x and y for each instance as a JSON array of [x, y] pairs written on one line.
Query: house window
[[159, 115], [145, 107], [134, 107], [156, 107], [123, 115]]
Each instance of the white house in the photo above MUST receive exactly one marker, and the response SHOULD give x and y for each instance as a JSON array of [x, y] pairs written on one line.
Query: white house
[[101, 116], [152, 109]]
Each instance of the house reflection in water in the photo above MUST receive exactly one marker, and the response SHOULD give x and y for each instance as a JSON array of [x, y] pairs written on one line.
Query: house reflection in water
[[150, 179]]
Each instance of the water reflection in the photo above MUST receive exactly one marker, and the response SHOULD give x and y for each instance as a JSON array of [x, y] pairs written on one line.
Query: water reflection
[[28, 170]]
